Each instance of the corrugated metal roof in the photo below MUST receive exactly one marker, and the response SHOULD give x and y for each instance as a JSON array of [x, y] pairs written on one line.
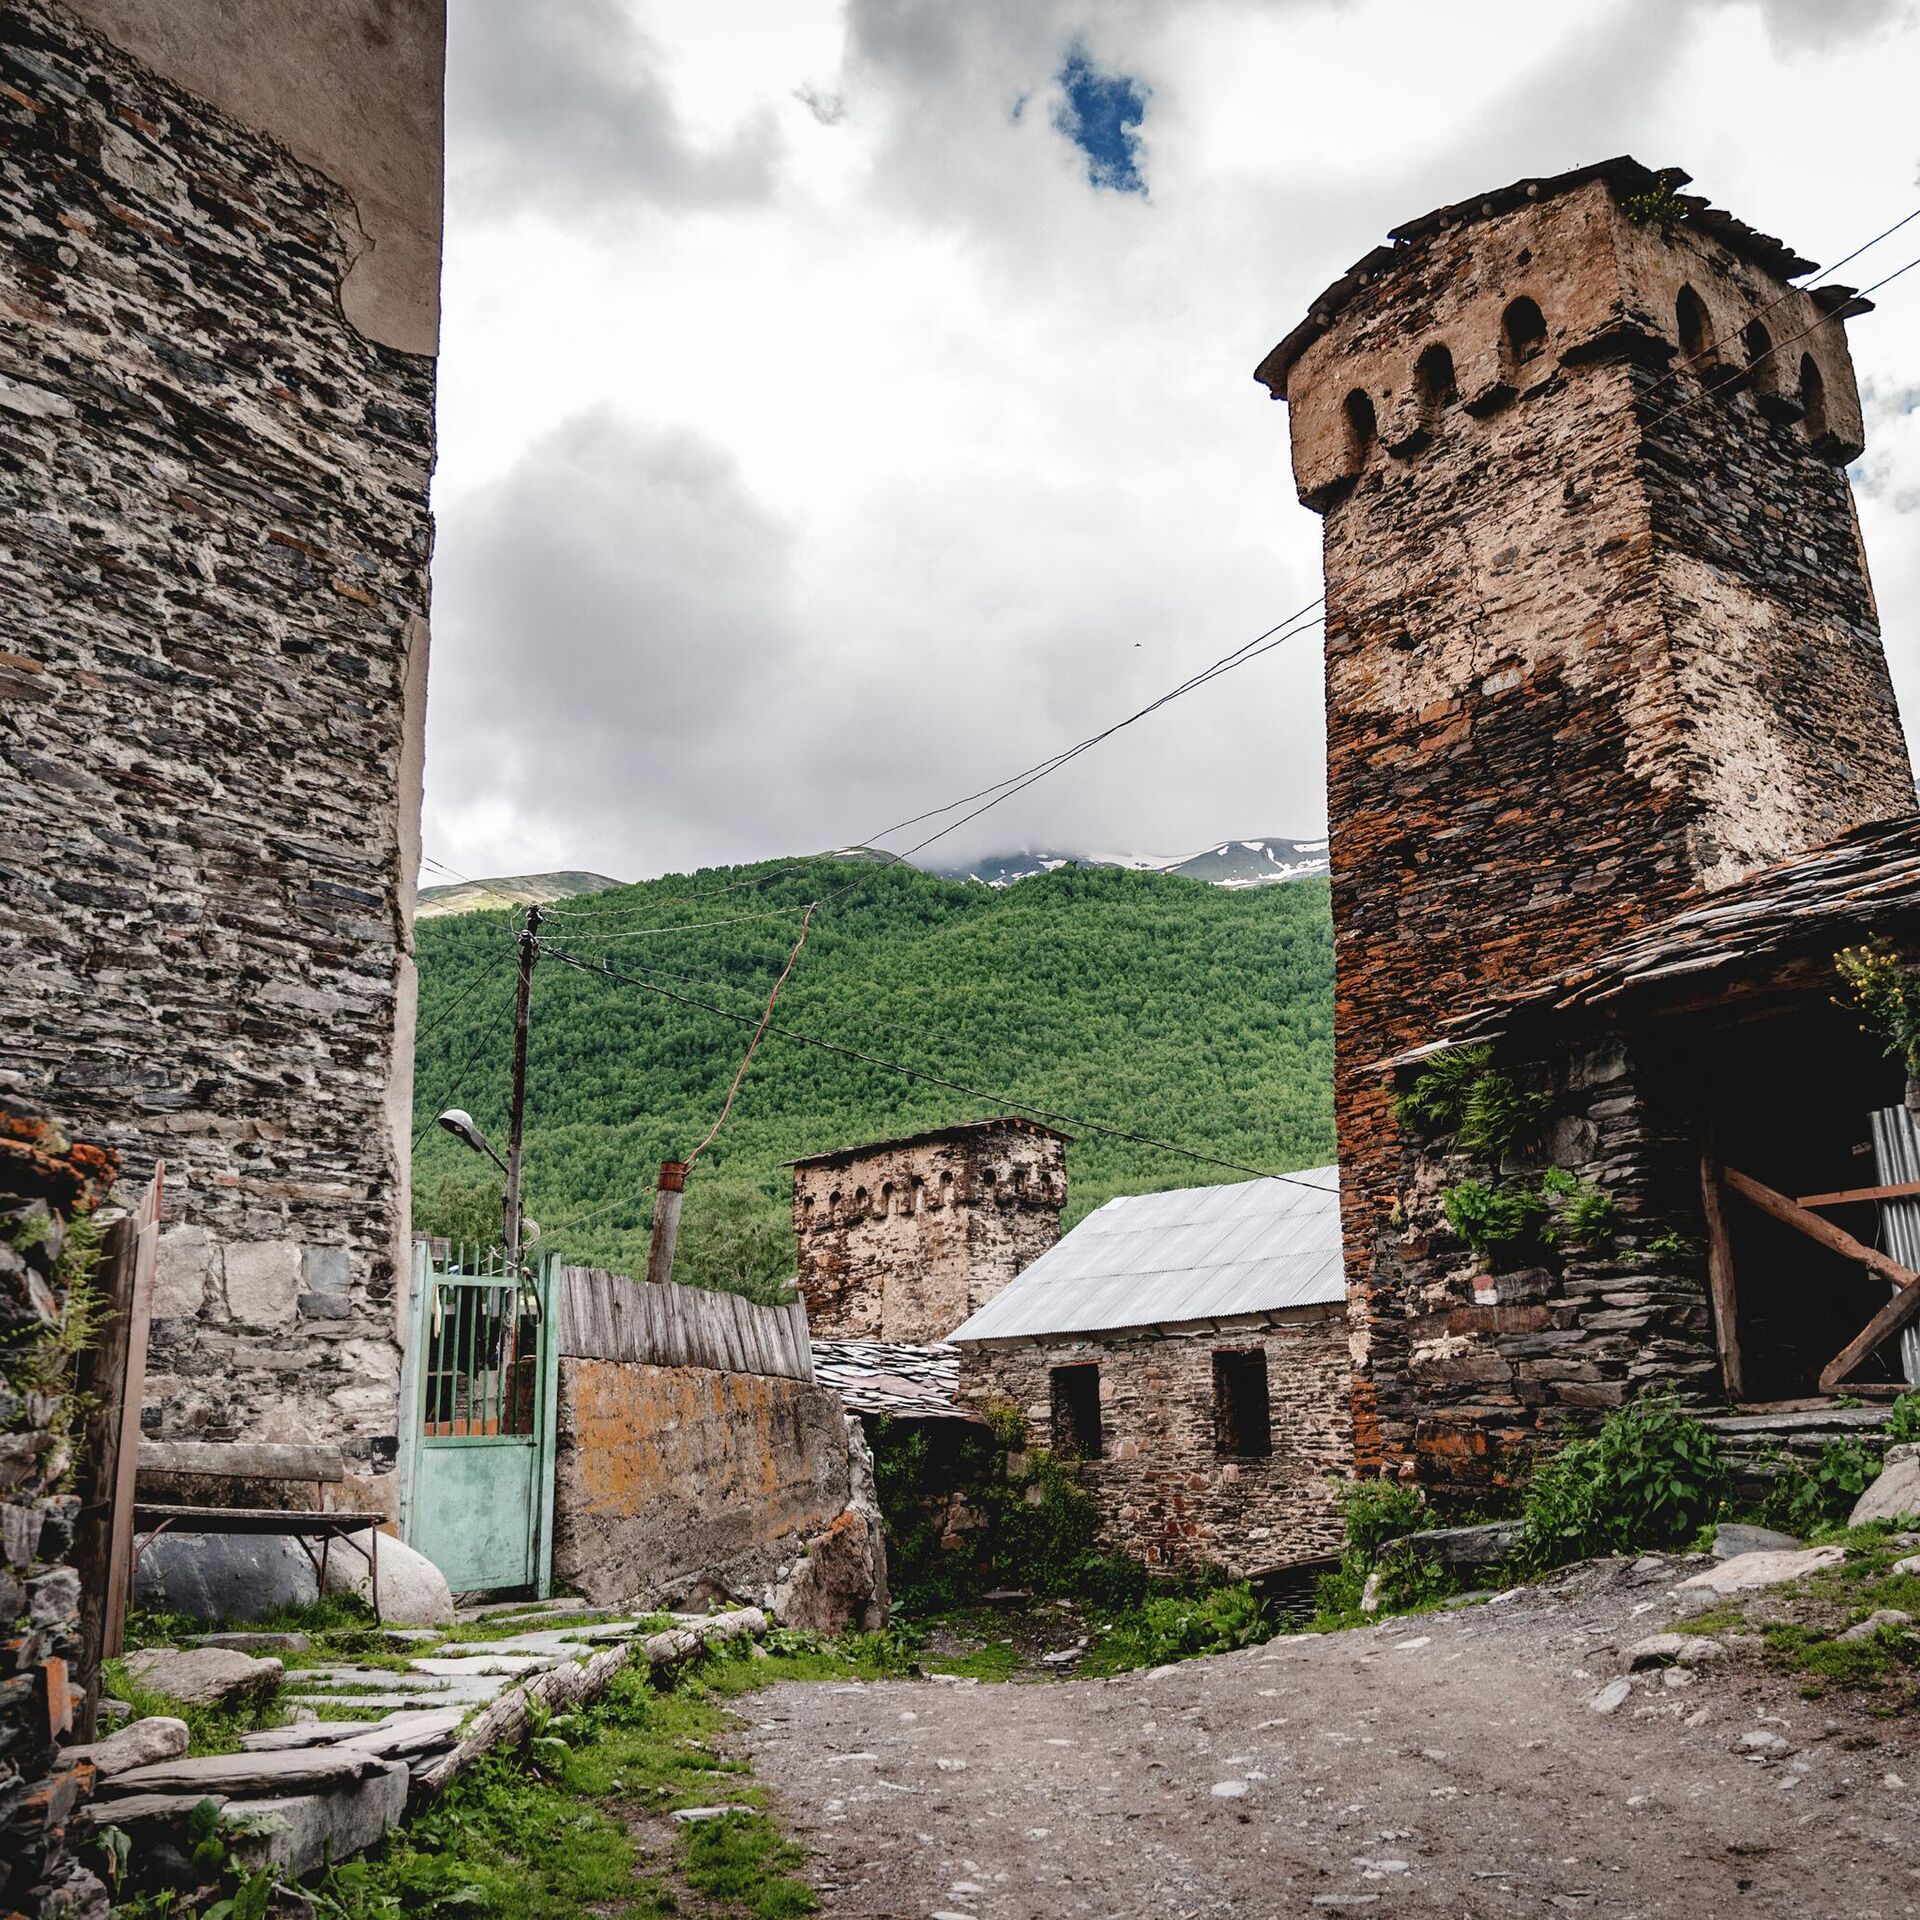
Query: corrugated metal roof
[[1164, 1259]]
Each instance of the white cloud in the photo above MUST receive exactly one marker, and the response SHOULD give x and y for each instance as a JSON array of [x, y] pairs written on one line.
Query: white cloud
[[833, 447]]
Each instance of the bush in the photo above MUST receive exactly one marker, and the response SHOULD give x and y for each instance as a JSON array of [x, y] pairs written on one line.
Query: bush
[[1378, 1512], [1803, 1500], [1903, 1427], [1491, 1217], [1180, 1626], [1652, 1477]]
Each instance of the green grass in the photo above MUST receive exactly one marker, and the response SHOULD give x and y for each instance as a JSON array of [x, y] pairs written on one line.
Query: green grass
[[209, 1729]]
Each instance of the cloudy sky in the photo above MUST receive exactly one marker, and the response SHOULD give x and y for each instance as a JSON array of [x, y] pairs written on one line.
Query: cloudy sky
[[845, 403]]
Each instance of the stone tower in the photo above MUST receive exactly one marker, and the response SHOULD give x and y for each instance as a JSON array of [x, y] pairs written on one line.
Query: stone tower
[[1598, 627], [903, 1239]]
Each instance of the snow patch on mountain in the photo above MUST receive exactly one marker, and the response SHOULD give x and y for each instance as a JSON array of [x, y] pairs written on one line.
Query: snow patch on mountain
[[1232, 863]]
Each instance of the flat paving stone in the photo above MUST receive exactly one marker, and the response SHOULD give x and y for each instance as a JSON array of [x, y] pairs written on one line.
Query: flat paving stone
[[244, 1773]]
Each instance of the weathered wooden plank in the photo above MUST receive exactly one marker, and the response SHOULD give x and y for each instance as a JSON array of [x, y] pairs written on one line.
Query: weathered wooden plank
[[243, 1460], [1726, 1306], [1899, 1312], [1849, 1196], [608, 1316], [1823, 1231]]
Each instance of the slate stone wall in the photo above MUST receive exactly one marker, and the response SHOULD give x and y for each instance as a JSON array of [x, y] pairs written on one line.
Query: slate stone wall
[[45, 1185], [1165, 1493], [1593, 639], [213, 574], [903, 1240]]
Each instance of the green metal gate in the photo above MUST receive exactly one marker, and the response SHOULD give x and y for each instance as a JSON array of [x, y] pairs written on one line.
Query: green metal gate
[[480, 1389]]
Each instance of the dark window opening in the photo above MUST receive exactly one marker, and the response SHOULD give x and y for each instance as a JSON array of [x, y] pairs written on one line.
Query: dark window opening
[[1696, 330], [1523, 332], [1433, 383], [1242, 1415], [1076, 1411], [1759, 345], [1813, 398], [1363, 429]]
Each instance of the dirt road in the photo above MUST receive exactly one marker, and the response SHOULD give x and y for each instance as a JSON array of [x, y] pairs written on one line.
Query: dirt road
[[1449, 1764]]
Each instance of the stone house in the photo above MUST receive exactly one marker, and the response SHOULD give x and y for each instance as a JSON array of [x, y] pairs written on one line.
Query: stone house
[[1600, 643], [1188, 1351], [900, 1240], [219, 285]]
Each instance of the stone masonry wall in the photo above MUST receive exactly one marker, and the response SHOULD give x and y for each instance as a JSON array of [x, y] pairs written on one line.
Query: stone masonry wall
[[214, 540], [46, 1185], [904, 1240], [1584, 652], [1165, 1495], [686, 1483]]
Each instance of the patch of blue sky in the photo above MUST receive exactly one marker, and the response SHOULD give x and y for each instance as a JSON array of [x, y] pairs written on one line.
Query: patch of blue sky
[[1100, 113]]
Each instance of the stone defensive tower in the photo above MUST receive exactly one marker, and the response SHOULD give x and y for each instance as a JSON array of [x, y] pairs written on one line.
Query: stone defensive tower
[[903, 1239], [1599, 630]]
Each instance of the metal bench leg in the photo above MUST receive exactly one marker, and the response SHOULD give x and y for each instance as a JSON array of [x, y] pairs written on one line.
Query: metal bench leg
[[373, 1574]]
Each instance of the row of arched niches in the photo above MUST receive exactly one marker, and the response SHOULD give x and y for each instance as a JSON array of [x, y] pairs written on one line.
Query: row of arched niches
[[902, 1199], [1782, 378]]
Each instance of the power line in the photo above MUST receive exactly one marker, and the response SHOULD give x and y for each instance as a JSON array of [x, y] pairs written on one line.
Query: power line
[[1710, 387], [1002, 1102], [695, 926], [440, 1020], [1673, 373]]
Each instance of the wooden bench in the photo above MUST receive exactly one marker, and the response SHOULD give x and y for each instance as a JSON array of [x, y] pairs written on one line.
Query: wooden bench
[[322, 1467]]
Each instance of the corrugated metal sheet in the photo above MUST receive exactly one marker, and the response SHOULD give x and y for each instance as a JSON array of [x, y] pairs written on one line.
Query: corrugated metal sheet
[[1896, 1158], [1164, 1259]]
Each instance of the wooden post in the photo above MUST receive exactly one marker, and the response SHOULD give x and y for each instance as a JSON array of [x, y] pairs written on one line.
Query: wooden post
[[113, 1376], [517, 1107], [666, 1221], [1726, 1302], [1833, 1238]]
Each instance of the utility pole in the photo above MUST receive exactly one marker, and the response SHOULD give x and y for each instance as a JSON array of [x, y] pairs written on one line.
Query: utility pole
[[516, 1111]]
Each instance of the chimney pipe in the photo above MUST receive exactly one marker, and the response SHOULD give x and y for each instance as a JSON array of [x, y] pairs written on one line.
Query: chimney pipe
[[666, 1220]]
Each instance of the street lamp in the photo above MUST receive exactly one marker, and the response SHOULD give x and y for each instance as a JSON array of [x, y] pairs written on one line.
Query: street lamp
[[460, 1123]]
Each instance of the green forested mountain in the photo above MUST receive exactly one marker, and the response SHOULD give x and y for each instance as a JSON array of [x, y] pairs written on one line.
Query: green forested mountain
[[1156, 1004]]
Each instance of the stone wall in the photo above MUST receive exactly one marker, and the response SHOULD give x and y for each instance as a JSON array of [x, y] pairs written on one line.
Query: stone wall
[[904, 1239], [1164, 1492], [685, 1484], [45, 1186], [214, 540], [1593, 638]]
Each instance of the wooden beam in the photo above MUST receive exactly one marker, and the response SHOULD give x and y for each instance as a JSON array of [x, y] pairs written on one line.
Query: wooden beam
[[1726, 1306], [1898, 1313], [1906, 1190], [1791, 1214], [244, 1459]]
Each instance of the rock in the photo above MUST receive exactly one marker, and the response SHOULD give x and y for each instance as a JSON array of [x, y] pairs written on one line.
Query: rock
[[263, 1282], [301, 1833], [413, 1591], [1896, 1494], [188, 1270], [1911, 1564], [1867, 1628], [1748, 1572], [1731, 1540], [1229, 1789], [1460, 1549], [840, 1586], [1611, 1698], [142, 1744], [1761, 1741], [692, 1816], [137, 1808], [204, 1676], [223, 1576], [1370, 1593], [1658, 1650], [1699, 1650], [402, 1733], [243, 1773]]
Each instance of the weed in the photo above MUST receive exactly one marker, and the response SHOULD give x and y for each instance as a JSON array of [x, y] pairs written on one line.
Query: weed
[[1652, 1477], [1583, 1215], [1181, 1626], [1660, 207], [209, 1729], [1499, 1118], [1903, 1424], [1436, 1101], [1808, 1499], [1491, 1216], [1881, 988]]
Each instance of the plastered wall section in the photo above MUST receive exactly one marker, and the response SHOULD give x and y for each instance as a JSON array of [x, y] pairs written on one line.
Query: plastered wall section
[[1593, 639], [1164, 1492], [214, 541], [906, 1242], [686, 1483]]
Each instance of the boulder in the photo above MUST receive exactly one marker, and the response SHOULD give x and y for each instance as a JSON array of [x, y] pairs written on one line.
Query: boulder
[[1460, 1549], [1867, 1628], [204, 1676], [139, 1745], [1731, 1540], [301, 1833], [1748, 1572], [223, 1576], [840, 1584], [1896, 1494], [413, 1591]]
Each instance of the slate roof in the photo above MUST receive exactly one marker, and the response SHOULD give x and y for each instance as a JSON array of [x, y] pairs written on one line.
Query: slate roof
[[1193, 1255], [1807, 906], [911, 1382]]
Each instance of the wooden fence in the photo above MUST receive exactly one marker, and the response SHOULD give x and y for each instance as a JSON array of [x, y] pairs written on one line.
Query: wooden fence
[[607, 1316]]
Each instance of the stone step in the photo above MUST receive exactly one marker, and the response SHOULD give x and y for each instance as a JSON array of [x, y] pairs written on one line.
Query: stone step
[[243, 1773]]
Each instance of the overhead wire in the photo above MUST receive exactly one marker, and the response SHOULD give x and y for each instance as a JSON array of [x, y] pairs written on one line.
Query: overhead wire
[[1005, 1103]]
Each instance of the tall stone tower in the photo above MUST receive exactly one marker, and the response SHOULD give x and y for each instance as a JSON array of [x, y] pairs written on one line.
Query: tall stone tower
[[903, 1239], [1599, 630]]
